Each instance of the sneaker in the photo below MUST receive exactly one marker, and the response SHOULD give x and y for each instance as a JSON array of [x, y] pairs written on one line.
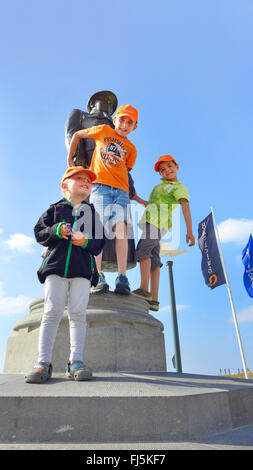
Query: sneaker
[[78, 371], [101, 286], [143, 294], [154, 305], [122, 285], [41, 373]]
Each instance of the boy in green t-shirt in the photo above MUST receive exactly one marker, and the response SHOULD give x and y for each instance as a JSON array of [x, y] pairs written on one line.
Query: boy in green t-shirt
[[155, 222]]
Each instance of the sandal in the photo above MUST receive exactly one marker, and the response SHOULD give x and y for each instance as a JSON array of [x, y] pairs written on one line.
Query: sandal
[[78, 371], [42, 371], [154, 305], [143, 294]]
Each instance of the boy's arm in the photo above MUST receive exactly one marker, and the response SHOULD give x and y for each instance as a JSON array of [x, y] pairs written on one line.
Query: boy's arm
[[93, 245], [47, 232], [138, 199], [132, 192], [45, 229], [82, 134], [188, 221]]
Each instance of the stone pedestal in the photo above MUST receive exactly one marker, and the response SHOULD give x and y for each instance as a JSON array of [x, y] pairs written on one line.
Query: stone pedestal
[[121, 335]]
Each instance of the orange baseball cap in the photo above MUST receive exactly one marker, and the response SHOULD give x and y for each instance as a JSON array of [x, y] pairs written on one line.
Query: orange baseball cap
[[72, 170], [164, 158], [127, 110]]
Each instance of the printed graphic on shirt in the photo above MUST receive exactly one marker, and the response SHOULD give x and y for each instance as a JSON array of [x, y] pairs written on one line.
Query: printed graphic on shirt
[[168, 188], [113, 154]]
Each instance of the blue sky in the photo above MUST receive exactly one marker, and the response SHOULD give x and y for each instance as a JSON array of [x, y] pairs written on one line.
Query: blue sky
[[188, 68]]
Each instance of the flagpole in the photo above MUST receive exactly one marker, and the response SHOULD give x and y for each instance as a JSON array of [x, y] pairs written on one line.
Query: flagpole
[[230, 296], [174, 318]]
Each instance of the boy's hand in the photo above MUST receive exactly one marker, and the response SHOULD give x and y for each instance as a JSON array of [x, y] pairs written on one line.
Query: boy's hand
[[78, 239], [65, 231], [144, 203], [139, 200], [190, 240]]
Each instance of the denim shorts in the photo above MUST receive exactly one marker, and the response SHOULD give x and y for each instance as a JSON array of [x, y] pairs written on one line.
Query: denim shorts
[[112, 205]]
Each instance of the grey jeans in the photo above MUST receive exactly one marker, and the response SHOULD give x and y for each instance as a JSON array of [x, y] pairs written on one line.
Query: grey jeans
[[57, 290]]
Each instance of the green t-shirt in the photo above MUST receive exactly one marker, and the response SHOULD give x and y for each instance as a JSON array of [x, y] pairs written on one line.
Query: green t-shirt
[[162, 201]]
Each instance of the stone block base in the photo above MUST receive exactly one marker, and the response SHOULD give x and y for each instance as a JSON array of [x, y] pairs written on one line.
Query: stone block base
[[121, 335]]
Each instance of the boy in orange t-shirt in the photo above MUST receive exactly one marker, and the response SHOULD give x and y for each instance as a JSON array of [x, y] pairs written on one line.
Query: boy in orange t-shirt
[[113, 157]]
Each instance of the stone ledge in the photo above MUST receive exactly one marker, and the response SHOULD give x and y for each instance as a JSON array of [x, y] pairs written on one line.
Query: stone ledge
[[123, 407]]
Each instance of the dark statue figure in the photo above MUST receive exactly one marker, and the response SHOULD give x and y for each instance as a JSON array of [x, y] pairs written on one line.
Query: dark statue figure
[[101, 107]]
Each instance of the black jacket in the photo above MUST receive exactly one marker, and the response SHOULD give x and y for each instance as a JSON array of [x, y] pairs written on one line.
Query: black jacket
[[62, 257]]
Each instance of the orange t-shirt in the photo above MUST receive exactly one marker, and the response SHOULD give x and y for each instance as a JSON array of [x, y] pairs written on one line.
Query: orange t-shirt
[[113, 156]]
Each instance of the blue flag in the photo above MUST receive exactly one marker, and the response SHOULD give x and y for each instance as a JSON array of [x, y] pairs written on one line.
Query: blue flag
[[247, 259], [211, 263]]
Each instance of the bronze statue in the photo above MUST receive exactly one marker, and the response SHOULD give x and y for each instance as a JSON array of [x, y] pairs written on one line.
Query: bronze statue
[[101, 107]]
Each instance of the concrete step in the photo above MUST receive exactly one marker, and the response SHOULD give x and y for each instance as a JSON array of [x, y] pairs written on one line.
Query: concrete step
[[122, 407], [237, 439]]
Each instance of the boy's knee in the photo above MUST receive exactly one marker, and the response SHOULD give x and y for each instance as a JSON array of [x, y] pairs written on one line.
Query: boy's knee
[[52, 315], [120, 230], [77, 317]]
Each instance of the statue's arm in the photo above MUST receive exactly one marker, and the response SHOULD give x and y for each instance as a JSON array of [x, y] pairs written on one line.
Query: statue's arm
[[73, 124], [132, 191]]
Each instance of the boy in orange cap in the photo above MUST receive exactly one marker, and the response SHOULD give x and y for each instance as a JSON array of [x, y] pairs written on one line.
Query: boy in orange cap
[[155, 222], [68, 270], [113, 157]]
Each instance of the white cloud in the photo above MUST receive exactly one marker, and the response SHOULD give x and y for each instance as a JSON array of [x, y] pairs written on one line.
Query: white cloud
[[235, 230], [245, 315], [21, 243], [1, 289], [13, 305], [179, 307]]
